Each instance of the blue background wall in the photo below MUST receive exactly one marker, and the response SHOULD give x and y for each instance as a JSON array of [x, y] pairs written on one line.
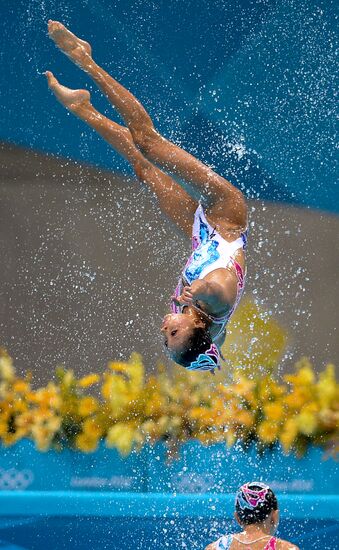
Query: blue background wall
[[247, 86]]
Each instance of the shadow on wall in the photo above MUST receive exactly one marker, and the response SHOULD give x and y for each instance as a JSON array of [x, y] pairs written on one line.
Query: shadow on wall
[[89, 265]]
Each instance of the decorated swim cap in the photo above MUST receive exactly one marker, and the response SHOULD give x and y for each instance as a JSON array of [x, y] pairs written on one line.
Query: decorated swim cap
[[250, 497], [254, 502], [207, 361]]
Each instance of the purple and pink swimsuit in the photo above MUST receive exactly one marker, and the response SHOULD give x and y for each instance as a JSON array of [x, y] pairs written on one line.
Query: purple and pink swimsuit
[[209, 252], [224, 543]]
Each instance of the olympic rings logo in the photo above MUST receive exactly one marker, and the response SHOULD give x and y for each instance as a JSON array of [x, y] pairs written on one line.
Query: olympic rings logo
[[15, 480]]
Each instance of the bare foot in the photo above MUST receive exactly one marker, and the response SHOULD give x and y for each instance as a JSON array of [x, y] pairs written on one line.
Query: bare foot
[[76, 49], [71, 99]]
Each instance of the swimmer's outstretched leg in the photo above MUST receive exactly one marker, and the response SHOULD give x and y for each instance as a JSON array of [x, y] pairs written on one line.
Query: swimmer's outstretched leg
[[173, 200], [227, 204], [78, 103]]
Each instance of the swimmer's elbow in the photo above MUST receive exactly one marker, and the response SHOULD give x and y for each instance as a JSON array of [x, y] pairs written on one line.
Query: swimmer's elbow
[[219, 294]]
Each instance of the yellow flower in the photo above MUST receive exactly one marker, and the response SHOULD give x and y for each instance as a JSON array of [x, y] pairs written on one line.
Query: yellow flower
[[25, 420], [3, 427], [117, 392], [10, 438], [89, 380], [123, 387], [132, 371], [88, 405], [304, 376], [106, 387], [68, 378], [288, 434], [199, 413], [274, 411], [329, 419], [230, 437], [89, 438], [122, 436], [268, 389], [278, 390], [48, 397], [86, 443], [21, 386], [52, 422], [92, 428], [151, 430], [19, 406], [154, 405], [6, 366], [297, 398], [327, 388], [44, 429], [268, 431], [307, 420], [243, 386], [245, 418]]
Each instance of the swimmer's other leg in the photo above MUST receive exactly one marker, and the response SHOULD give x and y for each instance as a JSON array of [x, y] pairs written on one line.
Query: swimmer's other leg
[[71, 45], [227, 204], [173, 200], [71, 99]]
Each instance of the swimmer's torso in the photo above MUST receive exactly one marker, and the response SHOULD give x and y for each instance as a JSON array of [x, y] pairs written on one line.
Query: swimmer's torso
[[213, 257]]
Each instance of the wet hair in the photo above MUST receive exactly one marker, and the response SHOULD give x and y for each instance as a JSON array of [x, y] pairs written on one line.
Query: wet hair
[[199, 342], [254, 502]]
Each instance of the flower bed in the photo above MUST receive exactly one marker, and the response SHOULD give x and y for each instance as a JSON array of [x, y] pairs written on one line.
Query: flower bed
[[126, 411]]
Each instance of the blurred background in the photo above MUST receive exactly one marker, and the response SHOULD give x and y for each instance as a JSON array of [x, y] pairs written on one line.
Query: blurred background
[[87, 262]]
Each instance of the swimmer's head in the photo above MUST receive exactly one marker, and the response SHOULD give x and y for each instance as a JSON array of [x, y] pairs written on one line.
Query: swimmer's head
[[188, 341], [256, 503]]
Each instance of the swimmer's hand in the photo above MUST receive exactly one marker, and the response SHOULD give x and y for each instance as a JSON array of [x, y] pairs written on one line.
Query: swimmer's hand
[[191, 293], [185, 298]]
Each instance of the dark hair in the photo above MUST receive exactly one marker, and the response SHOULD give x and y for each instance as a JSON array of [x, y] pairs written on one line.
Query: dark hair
[[254, 502], [199, 342]]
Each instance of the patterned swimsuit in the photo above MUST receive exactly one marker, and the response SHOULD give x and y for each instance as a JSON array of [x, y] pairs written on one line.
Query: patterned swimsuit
[[224, 543], [209, 252]]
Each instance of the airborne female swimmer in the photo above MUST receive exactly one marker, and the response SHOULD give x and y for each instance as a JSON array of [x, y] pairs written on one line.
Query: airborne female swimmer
[[212, 282]]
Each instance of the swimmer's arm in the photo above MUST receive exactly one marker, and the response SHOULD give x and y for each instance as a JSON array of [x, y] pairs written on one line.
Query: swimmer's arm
[[212, 546], [212, 293]]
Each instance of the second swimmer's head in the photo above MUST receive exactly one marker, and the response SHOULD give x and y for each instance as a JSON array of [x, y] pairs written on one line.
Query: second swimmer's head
[[256, 503], [188, 341]]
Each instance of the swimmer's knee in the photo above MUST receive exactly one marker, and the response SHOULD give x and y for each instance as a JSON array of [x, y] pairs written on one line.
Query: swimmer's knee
[[145, 138], [233, 206], [144, 170], [241, 208], [241, 200]]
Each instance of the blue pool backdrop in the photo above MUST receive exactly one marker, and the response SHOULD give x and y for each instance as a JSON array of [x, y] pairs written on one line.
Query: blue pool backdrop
[[195, 469], [73, 500], [247, 86]]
